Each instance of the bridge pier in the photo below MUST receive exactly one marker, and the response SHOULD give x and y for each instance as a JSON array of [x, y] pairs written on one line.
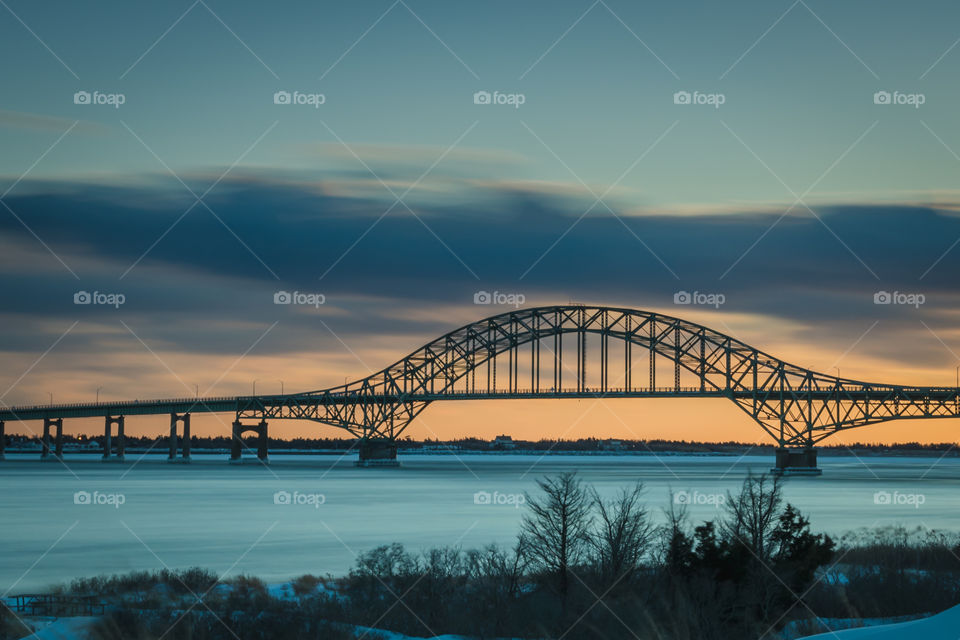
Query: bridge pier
[[108, 423], [236, 448], [185, 447], [58, 439], [3, 440], [378, 453], [796, 462]]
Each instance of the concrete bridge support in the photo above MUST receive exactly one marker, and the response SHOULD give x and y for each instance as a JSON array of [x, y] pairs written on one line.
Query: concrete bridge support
[[3, 440], [237, 446], [45, 453], [108, 441], [378, 453], [796, 462], [185, 448]]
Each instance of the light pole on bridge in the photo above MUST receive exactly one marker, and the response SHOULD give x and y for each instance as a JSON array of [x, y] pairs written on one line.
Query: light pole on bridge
[[255, 386], [98, 394], [281, 387], [50, 393]]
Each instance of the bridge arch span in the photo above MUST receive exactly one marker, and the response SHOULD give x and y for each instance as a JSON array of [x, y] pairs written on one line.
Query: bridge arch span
[[795, 406]]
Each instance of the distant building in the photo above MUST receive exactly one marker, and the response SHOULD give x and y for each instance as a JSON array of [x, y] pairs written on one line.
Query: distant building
[[503, 442], [612, 445]]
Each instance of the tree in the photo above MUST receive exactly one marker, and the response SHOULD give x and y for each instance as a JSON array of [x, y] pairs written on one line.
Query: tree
[[678, 553], [752, 514], [710, 552], [797, 548], [622, 535], [495, 584], [554, 529]]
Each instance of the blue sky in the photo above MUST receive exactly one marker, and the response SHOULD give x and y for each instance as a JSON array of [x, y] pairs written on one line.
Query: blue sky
[[798, 198], [598, 80]]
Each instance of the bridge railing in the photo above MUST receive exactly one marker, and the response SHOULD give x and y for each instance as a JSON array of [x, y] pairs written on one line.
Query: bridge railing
[[123, 403], [201, 400], [596, 390]]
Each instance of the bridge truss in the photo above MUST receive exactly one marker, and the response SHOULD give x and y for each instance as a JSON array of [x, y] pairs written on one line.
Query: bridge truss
[[577, 351]]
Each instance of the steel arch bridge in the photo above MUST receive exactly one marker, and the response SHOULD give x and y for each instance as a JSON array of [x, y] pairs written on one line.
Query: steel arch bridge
[[572, 351]]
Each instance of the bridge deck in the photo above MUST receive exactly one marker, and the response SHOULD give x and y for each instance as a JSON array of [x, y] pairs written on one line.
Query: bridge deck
[[231, 404]]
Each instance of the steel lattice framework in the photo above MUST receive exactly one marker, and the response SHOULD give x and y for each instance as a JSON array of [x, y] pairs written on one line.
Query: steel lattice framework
[[527, 353], [796, 406]]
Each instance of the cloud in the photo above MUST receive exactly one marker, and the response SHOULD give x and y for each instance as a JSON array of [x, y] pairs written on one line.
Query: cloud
[[204, 279], [41, 122], [410, 156]]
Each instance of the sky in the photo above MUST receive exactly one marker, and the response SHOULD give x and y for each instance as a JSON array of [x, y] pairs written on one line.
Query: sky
[[195, 158]]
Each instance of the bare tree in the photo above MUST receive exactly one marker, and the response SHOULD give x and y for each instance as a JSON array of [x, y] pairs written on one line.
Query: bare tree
[[752, 514], [555, 528], [622, 535], [676, 545]]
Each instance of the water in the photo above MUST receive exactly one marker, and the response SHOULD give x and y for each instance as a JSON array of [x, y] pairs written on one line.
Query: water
[[227, 518]]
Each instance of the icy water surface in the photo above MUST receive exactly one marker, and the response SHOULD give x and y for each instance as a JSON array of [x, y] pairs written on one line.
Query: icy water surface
[[312, 514]]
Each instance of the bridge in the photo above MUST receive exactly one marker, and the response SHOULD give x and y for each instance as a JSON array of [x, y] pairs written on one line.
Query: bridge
[[565, 351]]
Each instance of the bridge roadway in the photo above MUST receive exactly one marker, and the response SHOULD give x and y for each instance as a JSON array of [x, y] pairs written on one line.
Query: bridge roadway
[[232, 404]]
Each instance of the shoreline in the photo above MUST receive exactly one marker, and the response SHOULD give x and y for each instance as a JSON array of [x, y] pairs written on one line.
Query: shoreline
[[760, 450]]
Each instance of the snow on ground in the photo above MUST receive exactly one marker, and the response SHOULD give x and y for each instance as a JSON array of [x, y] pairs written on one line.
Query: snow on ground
[[393, 635], [943, 626], [78, 629], [285, 591], [62, 628]]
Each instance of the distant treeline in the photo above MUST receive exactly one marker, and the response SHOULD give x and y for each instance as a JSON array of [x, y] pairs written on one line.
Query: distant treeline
[[476, 444]]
